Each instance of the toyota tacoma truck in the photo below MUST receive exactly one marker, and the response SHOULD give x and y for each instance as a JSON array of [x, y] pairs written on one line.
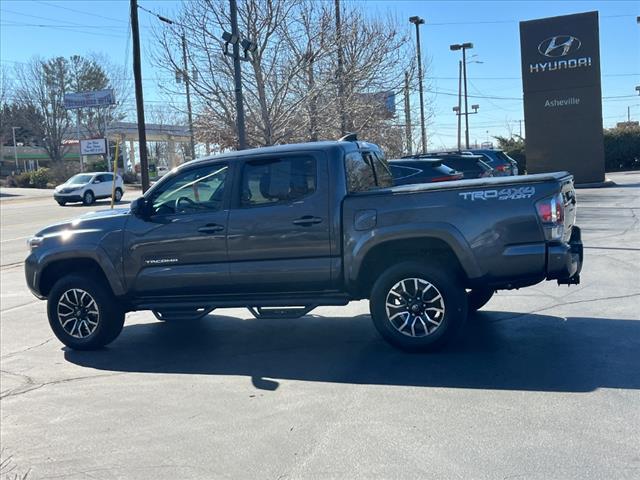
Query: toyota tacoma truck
[[284, 229]]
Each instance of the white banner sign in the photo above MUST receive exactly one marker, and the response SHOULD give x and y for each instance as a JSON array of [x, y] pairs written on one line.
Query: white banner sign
[[93, 146], [99, 98]]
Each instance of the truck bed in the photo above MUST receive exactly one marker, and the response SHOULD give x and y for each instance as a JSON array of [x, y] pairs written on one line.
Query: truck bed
[[472, 183]]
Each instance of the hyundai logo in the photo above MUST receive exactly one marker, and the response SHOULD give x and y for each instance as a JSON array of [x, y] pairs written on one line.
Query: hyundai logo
[[559, 46]]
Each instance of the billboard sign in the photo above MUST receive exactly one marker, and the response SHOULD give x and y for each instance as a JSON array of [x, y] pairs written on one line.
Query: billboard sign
[[93, 146], [562, 95], [98, 98]]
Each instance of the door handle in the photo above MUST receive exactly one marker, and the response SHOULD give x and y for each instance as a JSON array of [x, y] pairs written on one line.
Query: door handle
[[211, 228], [307, 221]]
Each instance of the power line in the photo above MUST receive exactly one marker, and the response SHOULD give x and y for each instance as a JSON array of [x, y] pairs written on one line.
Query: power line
[[91, 14], [493, 22], [53, 25], [67, 28], [45, 18]]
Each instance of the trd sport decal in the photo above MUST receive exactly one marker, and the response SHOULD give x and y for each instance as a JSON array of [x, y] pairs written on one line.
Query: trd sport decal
[[502, 194]]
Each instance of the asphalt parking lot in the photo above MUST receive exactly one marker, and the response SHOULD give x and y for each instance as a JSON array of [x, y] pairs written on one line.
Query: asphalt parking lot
[[544, 383]]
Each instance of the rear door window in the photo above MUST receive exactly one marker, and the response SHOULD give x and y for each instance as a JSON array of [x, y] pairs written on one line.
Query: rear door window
[[274, 181]]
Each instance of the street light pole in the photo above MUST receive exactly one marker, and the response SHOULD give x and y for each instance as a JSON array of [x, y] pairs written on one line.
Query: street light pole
[[15, 148], [407, 115], [137, 74], [459, 105], [417, 21], [187, 79], [464, 47], [237, 76]]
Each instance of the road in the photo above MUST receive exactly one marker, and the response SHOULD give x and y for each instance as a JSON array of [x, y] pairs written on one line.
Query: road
[[544, 383]]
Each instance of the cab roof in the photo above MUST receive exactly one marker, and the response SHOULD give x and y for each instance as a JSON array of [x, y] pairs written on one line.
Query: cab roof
[[277, 149]]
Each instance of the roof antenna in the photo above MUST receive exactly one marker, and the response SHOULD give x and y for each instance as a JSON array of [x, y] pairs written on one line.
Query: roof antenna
[[349, 137]]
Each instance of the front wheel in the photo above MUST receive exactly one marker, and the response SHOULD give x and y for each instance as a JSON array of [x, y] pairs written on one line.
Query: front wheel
[[418, 307], [83, 313], [62, 203], [88, 198]]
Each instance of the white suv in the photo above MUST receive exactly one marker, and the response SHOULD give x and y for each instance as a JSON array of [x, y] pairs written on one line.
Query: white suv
[[87, 187]]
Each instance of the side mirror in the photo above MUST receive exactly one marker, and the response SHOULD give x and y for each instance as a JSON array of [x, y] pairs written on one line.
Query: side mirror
[[96, 181], [140, 207]]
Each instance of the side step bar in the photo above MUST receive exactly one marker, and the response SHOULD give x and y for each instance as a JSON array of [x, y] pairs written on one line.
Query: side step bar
[[280, 312], [191, 303]]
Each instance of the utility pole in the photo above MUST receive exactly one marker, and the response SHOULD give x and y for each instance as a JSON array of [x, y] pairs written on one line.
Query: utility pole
[[237, 76], [628, 114], [15, 148], [137, 74], [79, 143], [340, 73], [420, 21], [313, 101], [459, 105], [187, 79], [520, 122], [407, 114]]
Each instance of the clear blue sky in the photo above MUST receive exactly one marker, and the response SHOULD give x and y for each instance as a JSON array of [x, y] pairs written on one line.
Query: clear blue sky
[[82, 26]]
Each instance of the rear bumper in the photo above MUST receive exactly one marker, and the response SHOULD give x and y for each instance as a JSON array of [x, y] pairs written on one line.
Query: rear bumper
[[564, 261]]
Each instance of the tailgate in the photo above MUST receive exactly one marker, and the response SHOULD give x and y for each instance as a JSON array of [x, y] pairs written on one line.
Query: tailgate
[[570, 207]]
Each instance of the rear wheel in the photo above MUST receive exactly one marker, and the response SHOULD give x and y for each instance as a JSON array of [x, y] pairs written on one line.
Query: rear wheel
[[62, 203], [418, 307], [88, 198], [83, 313], [478, 298], [117, 196]]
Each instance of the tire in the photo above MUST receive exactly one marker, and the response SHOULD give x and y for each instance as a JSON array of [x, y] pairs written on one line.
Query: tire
[[478, 298], [61, 203], [440, 319], [88, 198], [79, 293], [117, 195]]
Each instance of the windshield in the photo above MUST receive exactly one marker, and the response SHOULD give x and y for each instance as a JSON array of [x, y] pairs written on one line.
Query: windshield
[[80, 179]]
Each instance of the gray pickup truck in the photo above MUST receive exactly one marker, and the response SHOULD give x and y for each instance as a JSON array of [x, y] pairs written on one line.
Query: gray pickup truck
[[281, 230]]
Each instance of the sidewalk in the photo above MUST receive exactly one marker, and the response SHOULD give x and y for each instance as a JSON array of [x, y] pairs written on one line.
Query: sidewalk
[[15, 193]]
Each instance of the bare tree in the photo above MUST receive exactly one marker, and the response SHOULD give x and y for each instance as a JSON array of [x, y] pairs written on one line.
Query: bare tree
[[290, 80], [43, 84], [5, 86]]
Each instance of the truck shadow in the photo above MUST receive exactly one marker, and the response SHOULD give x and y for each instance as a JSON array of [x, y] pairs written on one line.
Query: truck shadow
[[497, 350]]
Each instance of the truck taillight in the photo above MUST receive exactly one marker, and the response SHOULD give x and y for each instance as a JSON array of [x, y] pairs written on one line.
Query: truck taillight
[[551, 213]]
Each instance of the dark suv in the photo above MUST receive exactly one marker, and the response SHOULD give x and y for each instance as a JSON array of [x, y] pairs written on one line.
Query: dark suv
[[421, 171], [501, 163], [471, 166]]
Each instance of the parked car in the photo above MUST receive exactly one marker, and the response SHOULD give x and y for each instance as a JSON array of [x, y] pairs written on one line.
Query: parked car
[[422, 171], [471, 166], [501, 163], [283, 229], [87, 187]]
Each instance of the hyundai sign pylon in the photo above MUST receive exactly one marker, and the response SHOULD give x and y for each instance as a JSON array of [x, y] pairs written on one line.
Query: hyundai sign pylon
[[562, 96]]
